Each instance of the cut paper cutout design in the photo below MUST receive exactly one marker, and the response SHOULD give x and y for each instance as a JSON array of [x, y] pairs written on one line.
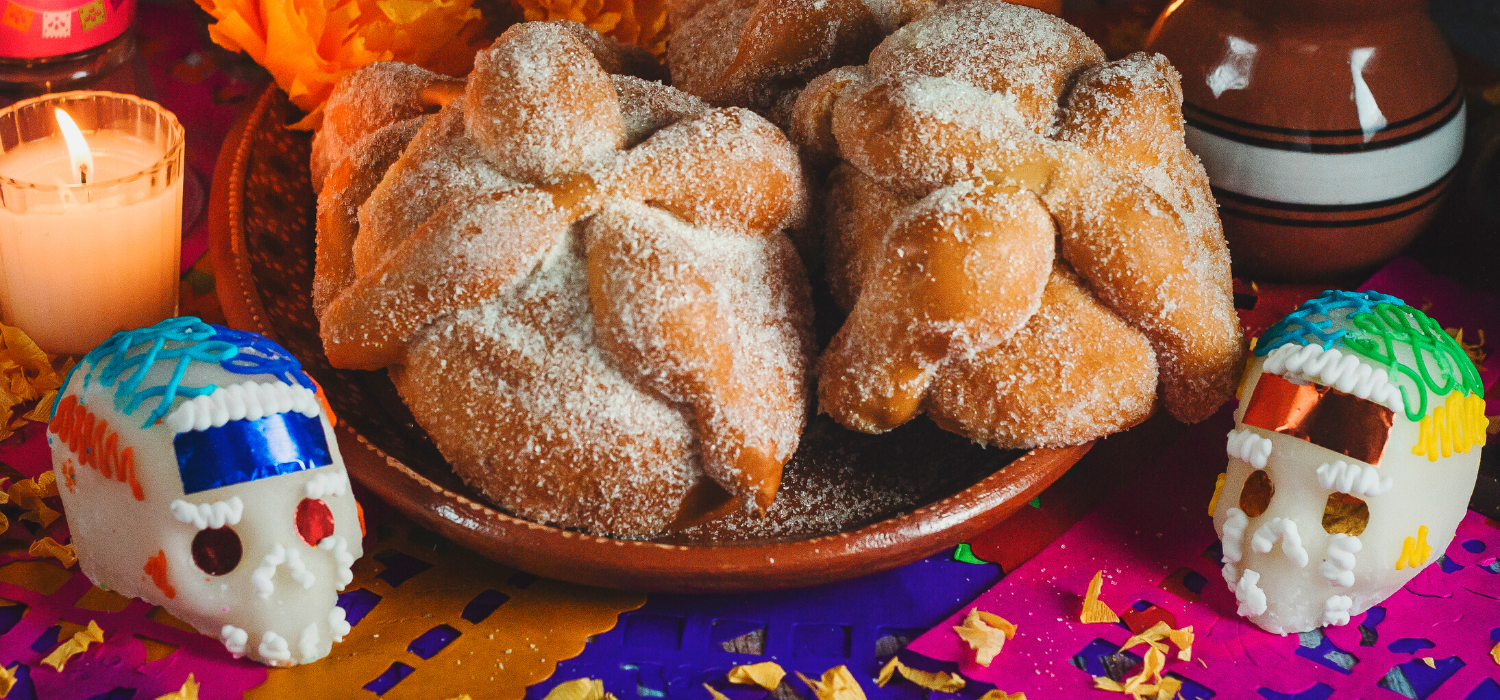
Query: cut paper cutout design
[[761, 626], [1060, 657], [57, 25]]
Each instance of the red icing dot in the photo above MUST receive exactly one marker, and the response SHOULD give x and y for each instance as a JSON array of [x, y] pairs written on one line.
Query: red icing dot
[[216, 551], [314, 521]]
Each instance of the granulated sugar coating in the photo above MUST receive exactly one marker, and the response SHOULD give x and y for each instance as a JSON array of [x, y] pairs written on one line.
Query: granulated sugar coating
[[986, 96], [759, 53], [373, 97], [581, 288]]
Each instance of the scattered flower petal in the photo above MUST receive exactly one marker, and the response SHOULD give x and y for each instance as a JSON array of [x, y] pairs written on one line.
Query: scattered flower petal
[[986, 634], [766, 674], [1183, 639], [48, 547], [188, 691], [1094, 610], [74, 646], [639, 22], [307, 45], [837, 684], [578, 689]]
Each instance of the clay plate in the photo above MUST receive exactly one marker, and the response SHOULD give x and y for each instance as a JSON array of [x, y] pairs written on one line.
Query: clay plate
[[850, 504]]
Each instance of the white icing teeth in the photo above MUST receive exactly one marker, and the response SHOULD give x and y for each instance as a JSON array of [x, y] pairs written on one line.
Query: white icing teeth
[[331, 483], [1336, 610], [1234, 533], [234, 640], [1252, 599], [1285, 530], [309, 644], [247, 400], [341, 556], [1338, 568], [261, 577], [209, 515], [298, 569], [338, 627], [1247, 445], [1354, 479], [1303, 363], [273, 647]]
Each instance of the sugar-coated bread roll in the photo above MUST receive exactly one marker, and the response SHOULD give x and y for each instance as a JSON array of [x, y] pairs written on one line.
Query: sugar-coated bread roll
[[580, 284], [984, 96]]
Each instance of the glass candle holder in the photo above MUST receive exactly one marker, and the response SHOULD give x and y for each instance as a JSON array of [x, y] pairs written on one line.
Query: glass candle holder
[[82, 257]]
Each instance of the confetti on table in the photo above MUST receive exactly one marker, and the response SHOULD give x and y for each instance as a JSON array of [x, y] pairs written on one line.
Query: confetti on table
[[74, 646], [767, 674]]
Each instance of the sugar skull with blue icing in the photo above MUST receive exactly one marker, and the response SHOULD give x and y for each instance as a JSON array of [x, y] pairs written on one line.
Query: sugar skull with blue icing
[[1354, 453], [199, 471]]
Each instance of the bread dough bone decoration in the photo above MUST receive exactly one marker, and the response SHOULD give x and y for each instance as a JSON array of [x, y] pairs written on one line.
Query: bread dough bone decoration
[[200, 472], [1352, 460]]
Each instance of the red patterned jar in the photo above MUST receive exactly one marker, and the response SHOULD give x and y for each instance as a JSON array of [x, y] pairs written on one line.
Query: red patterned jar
[[58, 45], [1329, 128]]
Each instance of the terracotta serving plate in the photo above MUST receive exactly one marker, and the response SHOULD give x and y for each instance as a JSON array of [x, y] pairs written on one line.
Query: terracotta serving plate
[[850, 504]]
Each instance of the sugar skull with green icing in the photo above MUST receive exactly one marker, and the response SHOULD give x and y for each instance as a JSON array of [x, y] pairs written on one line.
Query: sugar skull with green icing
[[1354, 453], [199, 471]]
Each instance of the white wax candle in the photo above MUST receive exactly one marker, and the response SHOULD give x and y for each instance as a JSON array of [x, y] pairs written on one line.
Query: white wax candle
[[75, 271]]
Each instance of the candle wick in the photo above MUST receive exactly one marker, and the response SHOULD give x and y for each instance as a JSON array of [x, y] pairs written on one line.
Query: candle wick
[[83, 174]]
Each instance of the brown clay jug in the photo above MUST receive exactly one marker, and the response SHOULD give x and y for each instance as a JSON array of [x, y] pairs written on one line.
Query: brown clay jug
[[1329, 128]]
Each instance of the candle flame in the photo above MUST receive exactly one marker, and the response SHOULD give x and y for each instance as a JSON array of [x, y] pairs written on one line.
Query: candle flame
[[78, 148]]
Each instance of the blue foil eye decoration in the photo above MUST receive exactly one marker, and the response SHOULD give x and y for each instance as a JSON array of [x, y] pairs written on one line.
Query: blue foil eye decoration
[[249, 450]]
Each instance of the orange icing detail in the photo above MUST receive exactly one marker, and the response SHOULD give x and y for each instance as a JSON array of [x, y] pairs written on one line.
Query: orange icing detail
[[69, 479], [361, 511], [95, 444], [63, 421], [156, 568], [127, 462]]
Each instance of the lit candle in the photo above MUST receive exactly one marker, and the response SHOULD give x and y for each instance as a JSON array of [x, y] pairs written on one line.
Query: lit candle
[[90, 220]]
